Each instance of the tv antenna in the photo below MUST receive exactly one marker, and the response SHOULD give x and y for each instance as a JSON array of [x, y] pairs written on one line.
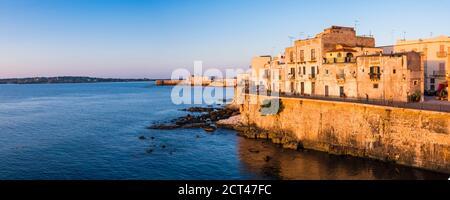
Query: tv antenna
[[301, 34], [356, 24], [291, 39], [404, 35]]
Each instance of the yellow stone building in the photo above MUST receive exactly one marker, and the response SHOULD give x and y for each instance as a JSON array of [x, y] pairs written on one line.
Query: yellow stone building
[[435, 53]]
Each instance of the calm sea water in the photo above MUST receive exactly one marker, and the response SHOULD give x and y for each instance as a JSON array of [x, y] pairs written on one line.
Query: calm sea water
[[91, 131]]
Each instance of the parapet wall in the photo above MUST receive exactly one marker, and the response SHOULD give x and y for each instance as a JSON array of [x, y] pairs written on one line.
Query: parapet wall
[[405, 136]]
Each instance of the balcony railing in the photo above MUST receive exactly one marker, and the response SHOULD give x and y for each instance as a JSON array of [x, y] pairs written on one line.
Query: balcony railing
[[291, 76], [441, 54], [439, 73], [340, 78], [339, 60], [375, 76]]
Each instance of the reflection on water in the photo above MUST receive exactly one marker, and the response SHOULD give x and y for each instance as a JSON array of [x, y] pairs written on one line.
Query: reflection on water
[[269, 161]]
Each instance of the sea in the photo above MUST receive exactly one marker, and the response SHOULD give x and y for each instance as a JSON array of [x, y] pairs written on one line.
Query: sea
[[93, 132]]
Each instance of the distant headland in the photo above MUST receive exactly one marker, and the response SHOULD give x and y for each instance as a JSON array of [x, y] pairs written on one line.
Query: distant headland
[[66, 79]]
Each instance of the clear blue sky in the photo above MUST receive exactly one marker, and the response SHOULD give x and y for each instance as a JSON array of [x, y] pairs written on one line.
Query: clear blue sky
[[112, 38]]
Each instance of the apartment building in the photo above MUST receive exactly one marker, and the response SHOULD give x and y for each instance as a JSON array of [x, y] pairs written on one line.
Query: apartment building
[[334, 63], [435, 54]]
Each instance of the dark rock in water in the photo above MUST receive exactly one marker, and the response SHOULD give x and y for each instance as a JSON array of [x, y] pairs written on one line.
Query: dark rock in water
[[152, 138], [267, 158], [198, 109], [142, 137], [197, 136], [209, 128], [205, 121], [164, 126], [163, 146], [194, 125], [149, 151], [252, 150]]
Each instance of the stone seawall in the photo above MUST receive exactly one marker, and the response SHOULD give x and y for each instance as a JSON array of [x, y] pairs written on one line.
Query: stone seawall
[[409, 137]]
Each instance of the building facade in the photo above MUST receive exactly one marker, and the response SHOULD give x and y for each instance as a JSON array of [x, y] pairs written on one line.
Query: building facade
[[392, 77], [338, 63], [435, 54]]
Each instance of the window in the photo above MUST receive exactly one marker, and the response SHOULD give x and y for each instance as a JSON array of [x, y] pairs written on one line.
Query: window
[[326, 71], [304, 70], [375, 73], [374, 70], [302, 55], [313, 54], [394, 71], [299, 70], [432, 81], [339, 55], [375, 86], [341, 73], [442, 68], [291, 56], [416, 83], [292, 71]]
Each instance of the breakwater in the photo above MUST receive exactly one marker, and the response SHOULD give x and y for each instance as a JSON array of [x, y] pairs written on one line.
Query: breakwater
[[211, 83], [408, 137]]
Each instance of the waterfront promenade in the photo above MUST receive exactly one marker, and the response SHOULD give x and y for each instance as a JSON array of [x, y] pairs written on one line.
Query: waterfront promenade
[[429, 104]]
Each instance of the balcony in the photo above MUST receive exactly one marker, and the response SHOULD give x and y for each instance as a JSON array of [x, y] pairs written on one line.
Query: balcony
[[438, 73], [441, 54], [375, 76], [291, 76], [340, 78], [339, 60], [313, 59], [312, 77]]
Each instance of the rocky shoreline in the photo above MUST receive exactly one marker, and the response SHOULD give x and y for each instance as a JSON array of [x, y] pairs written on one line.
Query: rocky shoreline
[[207, 118], [227, 117]]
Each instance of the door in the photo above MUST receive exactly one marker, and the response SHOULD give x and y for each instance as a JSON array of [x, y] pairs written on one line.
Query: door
[[292, 87], [302, 88], [313, 72], [326, 90], [313, 88], [341, 91]]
